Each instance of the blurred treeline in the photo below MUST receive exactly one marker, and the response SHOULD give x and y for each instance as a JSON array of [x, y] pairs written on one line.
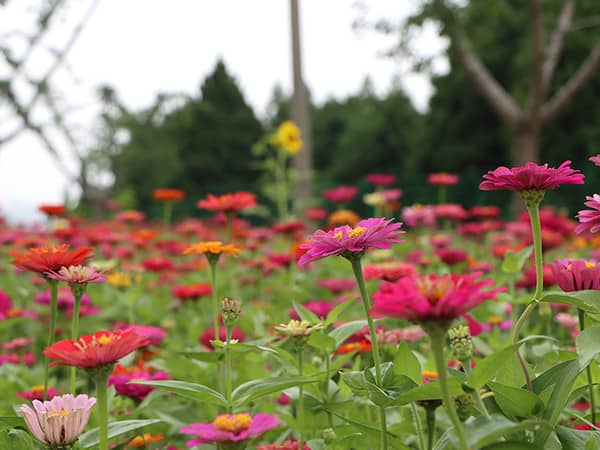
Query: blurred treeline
[[203, 143]]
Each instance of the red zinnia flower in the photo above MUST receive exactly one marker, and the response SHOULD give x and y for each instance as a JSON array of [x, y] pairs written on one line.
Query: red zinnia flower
[[381, 179], [102, 348], [530, 177], [442, 179], [341, 194], [50, 259], [167, 195], [228, 202], [53, 210]]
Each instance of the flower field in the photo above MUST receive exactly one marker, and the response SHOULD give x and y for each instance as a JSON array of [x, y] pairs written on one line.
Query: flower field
[[420, 327]]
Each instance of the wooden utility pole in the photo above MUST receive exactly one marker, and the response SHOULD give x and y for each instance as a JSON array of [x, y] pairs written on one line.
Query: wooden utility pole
[[302, 162]]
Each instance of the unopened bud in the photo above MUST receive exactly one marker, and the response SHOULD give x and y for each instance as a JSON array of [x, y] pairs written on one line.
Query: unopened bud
[[329, 435], [230, 310], [461, 342], [465, 406]]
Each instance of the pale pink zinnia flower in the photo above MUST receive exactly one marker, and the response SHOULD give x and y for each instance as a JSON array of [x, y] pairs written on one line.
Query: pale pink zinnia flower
[[432, 298], [595, 159], [230, 428], [77, 274], [60, 421], [531, 176], [348, 241], [589, 219]]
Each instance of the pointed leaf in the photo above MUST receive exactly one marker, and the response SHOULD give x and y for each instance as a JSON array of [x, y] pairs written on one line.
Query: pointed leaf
[[572, 439], [190, 390], [343, 332], [515, 401], [513, 262], [585, 300], [91, 438], [321, 341], [406, 363], [305, 314], [255, 389], [337, 311]]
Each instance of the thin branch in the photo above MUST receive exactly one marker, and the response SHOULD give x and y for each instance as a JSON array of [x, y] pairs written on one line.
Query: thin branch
[[555, 45], [536, 96], [565, 94]]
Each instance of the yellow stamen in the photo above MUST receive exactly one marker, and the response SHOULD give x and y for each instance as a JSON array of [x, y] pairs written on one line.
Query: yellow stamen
[[59, 412], [235, 423], [494, 320], [355, 232], [105, 339], [338, 235]]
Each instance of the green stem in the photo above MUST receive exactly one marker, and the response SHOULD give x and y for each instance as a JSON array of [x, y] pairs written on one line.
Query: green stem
[[228, 371], [213, 283], [419, 428], [167, 214], [442, 194], [436, 334], [102, 401], [300, 418], [75, 334], [281, 185], [357, 269], [467, 367], [588, 370], [536, 229], [52, 331], [430, 418], [229, 225], [326, 386]]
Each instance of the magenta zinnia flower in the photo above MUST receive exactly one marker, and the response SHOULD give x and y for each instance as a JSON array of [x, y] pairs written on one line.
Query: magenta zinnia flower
[[60, 421], [576, 275], [595, 159], [530, 177], [432, 298], [589, 219], [348, 241], [230, 428]]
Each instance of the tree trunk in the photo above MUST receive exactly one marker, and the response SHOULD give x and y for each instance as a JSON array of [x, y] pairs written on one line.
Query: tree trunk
[[526, 148], [302, 162]]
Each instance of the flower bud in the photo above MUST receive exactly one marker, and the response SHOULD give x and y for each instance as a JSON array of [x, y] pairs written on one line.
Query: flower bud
[[465, 406], [230, 310], [329, 435], [461, 343]]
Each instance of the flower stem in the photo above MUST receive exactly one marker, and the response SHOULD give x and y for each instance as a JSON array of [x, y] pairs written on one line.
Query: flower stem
[[357, 269], [229, 232], [75, 333], [436, 334], [102, 400], [213, 282], [588, 369], [167, 214], [467, 368], [228, 371], [417, 421], [430, 418], [536, 229], [52, 331], [300, 418]]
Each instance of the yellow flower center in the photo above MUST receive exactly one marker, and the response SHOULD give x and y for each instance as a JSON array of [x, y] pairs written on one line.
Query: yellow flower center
[[234, 423], [37, 388], [58, 412], [355, 232], [494, 320], [105, 339], [589, 264], [338, 235], [429, 374], [434, 290]]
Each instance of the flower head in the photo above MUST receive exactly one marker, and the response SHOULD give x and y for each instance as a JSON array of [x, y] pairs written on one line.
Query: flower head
[[230, 428], [78, 274], [531, 176], [228, 202], [576, 275], [589, 219], [212, 247], [121, 376], [348, 241], [341, 194], [432, 298], [60, 421], [100, 349], [142, 440], [442, 179], [53, 210], [381, 179], [50, 259], [288, 137], [296, 328], [595, 159], [167, 195]]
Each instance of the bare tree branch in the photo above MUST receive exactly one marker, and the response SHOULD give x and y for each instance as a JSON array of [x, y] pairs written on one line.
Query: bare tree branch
[[565, 94], [556, 41], [536, 94]]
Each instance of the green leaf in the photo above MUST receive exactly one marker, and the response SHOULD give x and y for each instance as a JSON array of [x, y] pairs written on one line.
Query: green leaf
[[210, 357], [12, 422], [585, 300], [514, 262], [322, 342], [487, 368], [512, 445], [305, 314], [588, 344], [356, 382], [91, 438], [406, 363], [16, 440], [572, 439], [337, 311], [428, 392], [255, 389], [343, 332], [194, 391], [515, 401]]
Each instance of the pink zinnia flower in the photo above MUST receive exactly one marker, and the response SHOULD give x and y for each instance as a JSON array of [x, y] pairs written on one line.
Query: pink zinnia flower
[[209, 335], [121, 376], [337, 285], [234, 202], [348, 241], [341, 194], [77, 274], [319, 308], [381, 179], [65, 300], [595, 159], [442, 179], [416, 215], [60, 421], [230, 428], [589, 219], [530, 177], [153, 334], [287, 445], [576, 275], [37, 393], [432, 298]]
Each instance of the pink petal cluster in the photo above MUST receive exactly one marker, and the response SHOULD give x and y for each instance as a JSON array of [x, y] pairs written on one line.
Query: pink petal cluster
[[77, 274], [432, 298], [373, 232], [381, 179], [576, 275], [531, 176], [237, 430], [595, 159], [60, 421], [589, 219], [442, 179], [341, 194]]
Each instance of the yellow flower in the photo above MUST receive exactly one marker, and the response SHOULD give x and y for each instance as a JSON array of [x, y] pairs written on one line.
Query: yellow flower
[[288, 137], [119, 279]]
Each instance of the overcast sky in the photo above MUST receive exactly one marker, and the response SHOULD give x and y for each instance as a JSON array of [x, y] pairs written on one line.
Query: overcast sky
[[143, 47]]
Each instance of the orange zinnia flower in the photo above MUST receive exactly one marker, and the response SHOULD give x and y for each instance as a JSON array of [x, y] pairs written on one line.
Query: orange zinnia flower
[[168, 195], [50, 259], [142, 440], [212, 247], [53, 210], [228, 202]]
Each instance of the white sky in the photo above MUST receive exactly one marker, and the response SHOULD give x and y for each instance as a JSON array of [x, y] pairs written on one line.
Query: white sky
[[143, 47]]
